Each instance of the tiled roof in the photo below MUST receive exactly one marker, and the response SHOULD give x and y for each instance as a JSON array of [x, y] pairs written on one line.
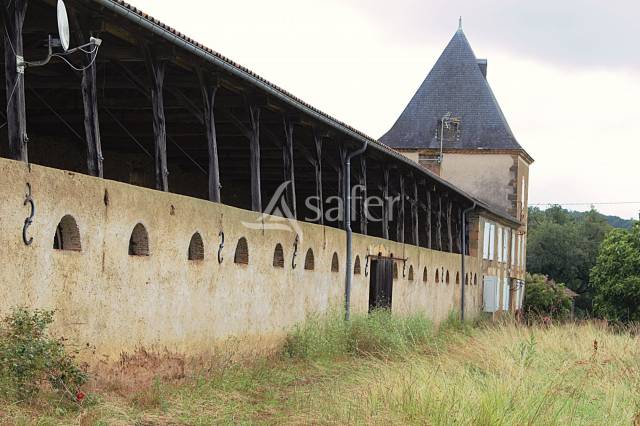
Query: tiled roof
[[455, 85]]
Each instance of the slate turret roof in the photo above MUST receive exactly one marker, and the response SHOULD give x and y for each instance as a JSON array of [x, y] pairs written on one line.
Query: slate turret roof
[[455, 85]]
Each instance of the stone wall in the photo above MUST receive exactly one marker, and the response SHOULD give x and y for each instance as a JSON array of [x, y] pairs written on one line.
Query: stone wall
[[115, 302]]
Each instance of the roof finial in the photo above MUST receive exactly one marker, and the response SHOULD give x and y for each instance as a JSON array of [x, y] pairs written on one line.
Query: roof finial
[[460, 23]]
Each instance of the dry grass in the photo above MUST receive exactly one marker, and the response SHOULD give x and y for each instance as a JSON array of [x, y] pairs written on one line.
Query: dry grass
[[488, 375]]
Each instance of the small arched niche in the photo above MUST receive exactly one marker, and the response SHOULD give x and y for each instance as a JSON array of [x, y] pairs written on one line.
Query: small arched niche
[[457, 278], [411, 273], [437, 276], [356, 266], [278, 256], [425, 275], [475, 279], [67, 235], [446, 280], [395, 271], [241, 255], [196, 247], [139, 241], [309, 261], [335, 266]]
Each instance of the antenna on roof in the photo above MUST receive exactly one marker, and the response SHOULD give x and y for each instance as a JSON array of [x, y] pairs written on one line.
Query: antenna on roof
[[460, 23], [63, 42]]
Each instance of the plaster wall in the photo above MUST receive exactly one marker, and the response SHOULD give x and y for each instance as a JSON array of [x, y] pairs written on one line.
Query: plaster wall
[[115, 303]]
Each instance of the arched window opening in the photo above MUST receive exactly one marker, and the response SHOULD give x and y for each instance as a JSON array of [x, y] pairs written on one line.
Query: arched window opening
[[411, 273], [437, 276], [278, 256], [446, 280], [335, 267], [139, 241], [242, 252], [309, 261], [457, 278], [425, 275], [67, 235], [196, 247], [395, 271], [356, 266]]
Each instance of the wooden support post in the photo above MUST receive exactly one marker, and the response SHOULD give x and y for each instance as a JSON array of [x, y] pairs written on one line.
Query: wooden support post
[[400, 227], [363, 195], [429, 223], [342, 183], [317, 140], [385, 204], [209, 90], [288, 167], [13, 13], [449, 230], [439, 224], [414, 215], [89, 102], [156, 70], [91, 122], [254, 142]]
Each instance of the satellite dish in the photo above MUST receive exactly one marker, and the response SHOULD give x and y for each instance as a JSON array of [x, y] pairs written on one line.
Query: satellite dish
[[63, 25]]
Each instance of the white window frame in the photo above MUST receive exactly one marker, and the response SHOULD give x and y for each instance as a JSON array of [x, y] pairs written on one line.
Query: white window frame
[[486, 240]]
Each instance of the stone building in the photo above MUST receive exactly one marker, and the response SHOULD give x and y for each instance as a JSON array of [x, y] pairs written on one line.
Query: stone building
[[454, 127], [159, 195]]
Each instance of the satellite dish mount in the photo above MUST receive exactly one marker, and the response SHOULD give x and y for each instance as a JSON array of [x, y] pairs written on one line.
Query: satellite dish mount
[[63, 42]]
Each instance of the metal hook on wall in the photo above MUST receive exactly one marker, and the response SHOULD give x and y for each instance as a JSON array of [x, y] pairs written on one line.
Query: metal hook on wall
[[29, 220], [221, 246], [295, 252], [366, 265]]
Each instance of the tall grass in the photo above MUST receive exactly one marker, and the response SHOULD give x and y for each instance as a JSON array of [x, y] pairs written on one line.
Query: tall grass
[[377, 334]]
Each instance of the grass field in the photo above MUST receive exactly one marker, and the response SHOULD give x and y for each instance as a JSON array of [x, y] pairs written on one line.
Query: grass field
[[383, 370]]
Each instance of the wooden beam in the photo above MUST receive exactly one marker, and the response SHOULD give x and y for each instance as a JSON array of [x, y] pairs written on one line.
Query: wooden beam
[[363, 198], [439, 224], [414, 215], [385, 204], [288, 166], [400, 223], [209, 90], [89, 102], [342, 183], [429, 219], [13, 13], [317, 140], [449, 226], [156, 70], [254, 146], [91, 122]]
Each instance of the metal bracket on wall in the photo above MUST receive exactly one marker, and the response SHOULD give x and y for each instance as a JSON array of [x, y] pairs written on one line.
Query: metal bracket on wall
[[221, 235], [366, 265], [29, 220], [295, 252]]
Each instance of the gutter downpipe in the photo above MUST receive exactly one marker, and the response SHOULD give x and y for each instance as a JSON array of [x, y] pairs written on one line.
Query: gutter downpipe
[[347, 222], [462, 253]]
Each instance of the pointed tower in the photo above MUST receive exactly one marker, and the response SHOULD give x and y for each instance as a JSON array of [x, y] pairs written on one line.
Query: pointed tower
[[454, 127]]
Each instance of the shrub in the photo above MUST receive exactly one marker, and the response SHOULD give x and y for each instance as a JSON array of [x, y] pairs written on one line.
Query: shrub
[[544, 297], [29, 358]]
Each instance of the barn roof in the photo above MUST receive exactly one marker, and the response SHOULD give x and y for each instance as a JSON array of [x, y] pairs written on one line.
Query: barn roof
[[457, 84], [182, 41]]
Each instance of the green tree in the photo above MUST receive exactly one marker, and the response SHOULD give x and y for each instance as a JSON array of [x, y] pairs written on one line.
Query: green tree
[[616, 276], [564, 246], [543, 297]]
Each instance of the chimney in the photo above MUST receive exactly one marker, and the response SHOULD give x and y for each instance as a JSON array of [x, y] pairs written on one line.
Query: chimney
[[482, 64]]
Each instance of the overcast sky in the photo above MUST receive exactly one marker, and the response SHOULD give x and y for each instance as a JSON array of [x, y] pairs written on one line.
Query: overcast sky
[[566, 73]]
